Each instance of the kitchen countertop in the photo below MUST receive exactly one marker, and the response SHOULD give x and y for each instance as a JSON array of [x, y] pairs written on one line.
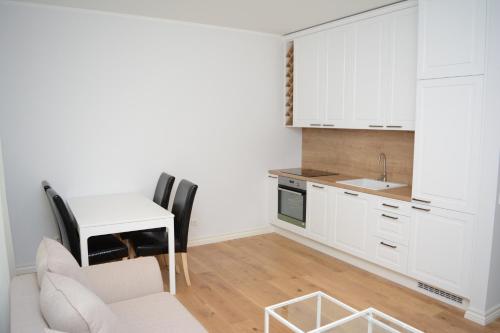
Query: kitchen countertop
[[400, 193]]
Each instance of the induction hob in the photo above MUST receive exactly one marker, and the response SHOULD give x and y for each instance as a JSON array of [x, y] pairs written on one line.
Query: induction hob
[[308, 172]]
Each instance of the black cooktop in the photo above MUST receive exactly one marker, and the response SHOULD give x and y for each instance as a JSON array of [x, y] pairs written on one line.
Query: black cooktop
[[308, 172]]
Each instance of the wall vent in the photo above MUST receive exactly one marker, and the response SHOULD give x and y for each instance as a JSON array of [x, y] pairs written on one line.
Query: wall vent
[[441, 293]]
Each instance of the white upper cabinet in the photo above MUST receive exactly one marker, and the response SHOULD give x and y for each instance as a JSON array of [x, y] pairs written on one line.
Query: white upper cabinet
[[360, 74], [447, 142], [370, 67], [317, 223], [451, 38], [402, 84], [339, 62], [309, 81], [440, 248]]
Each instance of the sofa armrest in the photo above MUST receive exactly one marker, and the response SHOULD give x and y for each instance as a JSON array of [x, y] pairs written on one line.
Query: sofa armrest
[[126, 279]]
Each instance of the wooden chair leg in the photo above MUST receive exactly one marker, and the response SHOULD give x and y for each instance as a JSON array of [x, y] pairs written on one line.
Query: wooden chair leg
[[177, 269], [185, 268]]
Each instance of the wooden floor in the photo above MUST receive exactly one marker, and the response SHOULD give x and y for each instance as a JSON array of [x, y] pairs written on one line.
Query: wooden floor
[[233, 281]]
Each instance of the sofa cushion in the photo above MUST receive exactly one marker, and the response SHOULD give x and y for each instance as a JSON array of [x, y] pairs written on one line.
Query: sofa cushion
[[70, 307], [156, 313], [53, 257]]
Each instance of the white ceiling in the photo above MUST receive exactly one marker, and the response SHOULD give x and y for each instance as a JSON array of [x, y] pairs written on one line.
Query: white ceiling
[[271, 16]]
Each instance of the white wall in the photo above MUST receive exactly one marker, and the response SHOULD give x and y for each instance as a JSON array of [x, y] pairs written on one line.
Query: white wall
[[485, 273], [102, 103], [6, 255]]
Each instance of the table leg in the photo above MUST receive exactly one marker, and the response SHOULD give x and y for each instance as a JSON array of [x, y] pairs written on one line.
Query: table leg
[[171, 259], [84, 250]]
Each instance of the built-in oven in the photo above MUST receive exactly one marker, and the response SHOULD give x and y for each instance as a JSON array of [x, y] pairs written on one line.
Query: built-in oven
[[292, 195]]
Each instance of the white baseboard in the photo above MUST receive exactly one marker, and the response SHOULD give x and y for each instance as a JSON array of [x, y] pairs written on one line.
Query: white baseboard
[[25, 269], [228, 236], [483, 318]]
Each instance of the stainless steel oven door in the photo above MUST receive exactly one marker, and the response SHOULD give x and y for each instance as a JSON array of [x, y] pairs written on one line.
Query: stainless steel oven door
[[292, 205]]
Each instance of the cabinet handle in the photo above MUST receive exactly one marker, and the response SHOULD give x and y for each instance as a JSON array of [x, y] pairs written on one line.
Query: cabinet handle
[[328, 125], [349, 193], [390, 217], [390, 206], [424, 209], [273, 177], [375, 126], [420, 200], [388, 245], [317, 186], [394, 126], [314, 124]]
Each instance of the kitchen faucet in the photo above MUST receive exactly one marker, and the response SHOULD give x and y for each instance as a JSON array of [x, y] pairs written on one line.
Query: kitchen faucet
[[383, 159]]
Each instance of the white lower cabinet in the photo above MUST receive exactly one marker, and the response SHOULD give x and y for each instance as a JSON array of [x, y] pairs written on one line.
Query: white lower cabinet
[[348, 214], [388, 254], [316, 210], [272, 198], [440, 248]]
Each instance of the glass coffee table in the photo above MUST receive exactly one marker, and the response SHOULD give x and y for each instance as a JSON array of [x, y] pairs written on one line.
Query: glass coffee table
[[321, 313]]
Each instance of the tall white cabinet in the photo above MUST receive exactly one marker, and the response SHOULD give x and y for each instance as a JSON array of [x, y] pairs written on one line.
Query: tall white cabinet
[[358, 73], [451, 42]]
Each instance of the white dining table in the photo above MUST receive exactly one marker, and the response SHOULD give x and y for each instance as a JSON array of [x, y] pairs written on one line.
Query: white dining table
[[116, 213]]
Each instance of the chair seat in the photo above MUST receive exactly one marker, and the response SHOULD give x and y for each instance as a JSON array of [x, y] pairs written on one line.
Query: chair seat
[[151, 243], [105, 248]]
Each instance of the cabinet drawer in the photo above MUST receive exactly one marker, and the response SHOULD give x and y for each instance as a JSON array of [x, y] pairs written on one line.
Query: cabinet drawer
[[393, 227], [389, 254], [393, 206]]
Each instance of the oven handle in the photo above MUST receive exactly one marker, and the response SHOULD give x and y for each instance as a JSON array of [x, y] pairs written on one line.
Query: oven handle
[[290, 191]]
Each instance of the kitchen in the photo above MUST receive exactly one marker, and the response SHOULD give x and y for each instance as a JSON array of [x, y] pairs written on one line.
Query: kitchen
[[390, 105]]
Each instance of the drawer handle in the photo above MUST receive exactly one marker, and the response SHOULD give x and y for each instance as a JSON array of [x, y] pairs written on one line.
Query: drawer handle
[[389, 245], [314, 124], [375, 126], [420, 200], [390, 206], [328, 125], [390, 217], [273, 177], [353, 194], [394, 126], [317, 186], [424, 209]]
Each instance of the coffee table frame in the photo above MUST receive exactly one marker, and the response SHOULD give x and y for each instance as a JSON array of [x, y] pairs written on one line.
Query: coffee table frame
[[368, 314]]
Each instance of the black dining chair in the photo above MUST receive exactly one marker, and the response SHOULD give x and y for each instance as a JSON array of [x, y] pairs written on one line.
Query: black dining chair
[[101, 249], [161, 197], [63, 237], [155, 242]]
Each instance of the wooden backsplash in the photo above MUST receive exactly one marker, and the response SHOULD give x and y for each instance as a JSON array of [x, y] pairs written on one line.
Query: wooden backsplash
[[356, 152]]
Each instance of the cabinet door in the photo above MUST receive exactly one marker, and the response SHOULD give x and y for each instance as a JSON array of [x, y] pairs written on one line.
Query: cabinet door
[[316, 221], [451, 38], [272, 198], [400, 113], [370, 65], [447, 142], [338, 110], [349, 217], [440, 248], [309, 80]]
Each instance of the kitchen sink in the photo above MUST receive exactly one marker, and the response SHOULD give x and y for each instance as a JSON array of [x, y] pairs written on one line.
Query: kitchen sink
[[371, 184]]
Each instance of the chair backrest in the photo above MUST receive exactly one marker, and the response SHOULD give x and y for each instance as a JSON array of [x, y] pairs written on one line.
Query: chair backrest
[[66, 216], [60, 224], [163, 189], [183, 204]]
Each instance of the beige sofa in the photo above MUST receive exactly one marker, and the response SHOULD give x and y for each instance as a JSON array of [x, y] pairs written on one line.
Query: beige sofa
[[132, 289]]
